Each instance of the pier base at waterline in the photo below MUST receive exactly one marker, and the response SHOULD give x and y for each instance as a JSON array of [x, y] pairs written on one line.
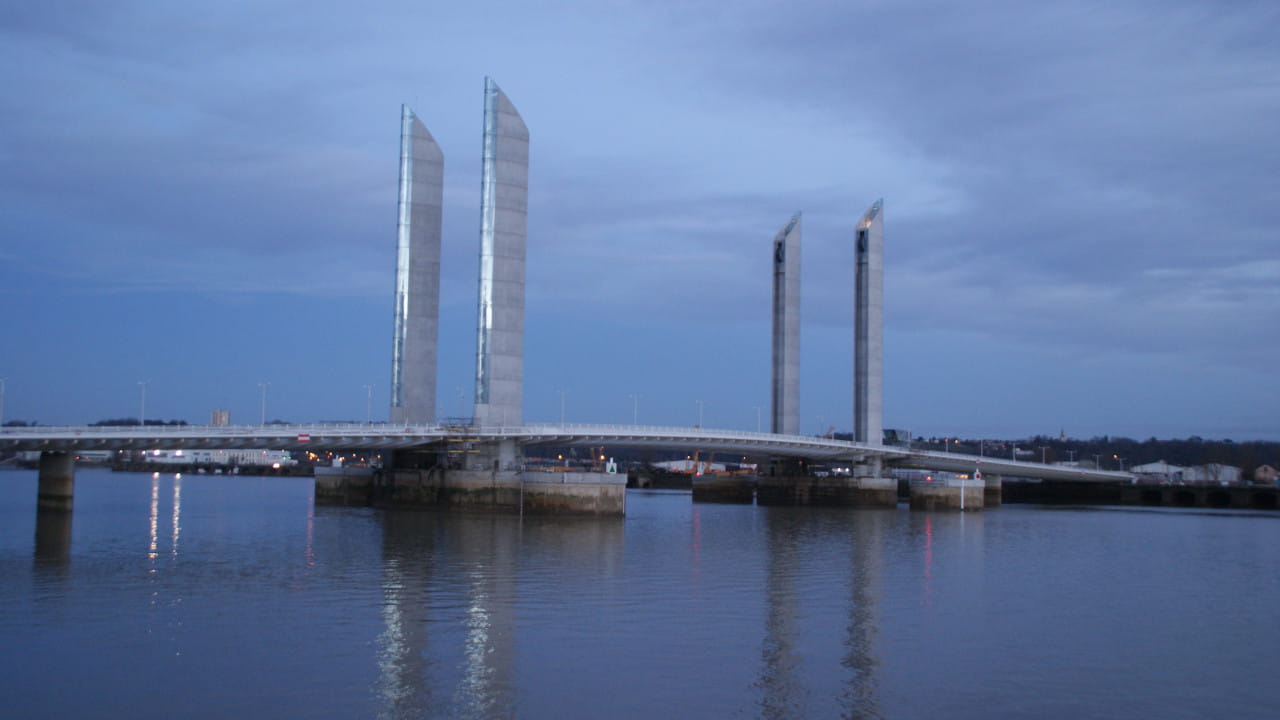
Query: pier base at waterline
[[933, 495], [840, 491], [511, 491], [732, 489], [56, 481]]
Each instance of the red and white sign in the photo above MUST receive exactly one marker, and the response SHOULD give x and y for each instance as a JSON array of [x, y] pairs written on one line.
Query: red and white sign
[[304, 437]]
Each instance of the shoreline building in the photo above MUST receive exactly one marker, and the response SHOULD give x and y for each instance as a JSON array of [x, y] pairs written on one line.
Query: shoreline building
[[785, 407], [417, 295], [868, 329], [504, 191]]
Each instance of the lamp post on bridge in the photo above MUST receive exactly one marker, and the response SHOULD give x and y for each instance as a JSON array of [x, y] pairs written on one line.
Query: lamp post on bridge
[[758, 408], [142, 409], [699, 413], [635, 408], [2, 401], [562, 393], [368, 405], [263, 387]]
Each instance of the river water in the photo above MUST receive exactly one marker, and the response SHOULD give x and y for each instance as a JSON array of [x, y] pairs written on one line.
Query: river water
[[215, 597]]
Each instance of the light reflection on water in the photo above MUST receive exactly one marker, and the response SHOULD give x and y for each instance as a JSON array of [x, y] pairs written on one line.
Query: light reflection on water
[[275, 607]]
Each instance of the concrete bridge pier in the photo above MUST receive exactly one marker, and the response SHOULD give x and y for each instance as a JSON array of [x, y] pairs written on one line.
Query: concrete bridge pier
[[867, 488], [993, 493], [930, 495], [869, 492], [503, 454], [57, 481], [53, 537], [732, 489]]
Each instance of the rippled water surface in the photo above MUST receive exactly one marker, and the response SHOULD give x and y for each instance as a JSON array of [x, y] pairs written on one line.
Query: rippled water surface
[[205, 597]]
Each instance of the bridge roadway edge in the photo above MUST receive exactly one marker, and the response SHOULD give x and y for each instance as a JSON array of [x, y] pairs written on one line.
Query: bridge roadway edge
[[495, 490]]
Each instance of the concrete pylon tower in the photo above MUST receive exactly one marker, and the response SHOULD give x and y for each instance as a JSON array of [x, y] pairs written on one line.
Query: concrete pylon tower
[[785, 408], [417, 298], [504, 191], [868, 328]]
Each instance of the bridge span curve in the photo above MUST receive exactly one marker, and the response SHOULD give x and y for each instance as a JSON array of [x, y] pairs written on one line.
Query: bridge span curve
[[386, 436], [395, 436]]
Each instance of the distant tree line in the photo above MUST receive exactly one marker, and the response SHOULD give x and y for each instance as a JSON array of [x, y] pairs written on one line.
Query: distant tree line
[[133, 422]]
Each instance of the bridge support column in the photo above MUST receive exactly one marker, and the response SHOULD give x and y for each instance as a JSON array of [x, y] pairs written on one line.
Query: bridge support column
[[503, 455], [57, 481], [733, 489], [871, 492], [344, 486], [993, 493], [53, 537], [966, 495], [586, 493]]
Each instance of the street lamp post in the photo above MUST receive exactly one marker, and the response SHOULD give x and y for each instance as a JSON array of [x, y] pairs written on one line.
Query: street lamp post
[[758, 408], [699, 412], [2, 401], [635, 408], [368, 404], [562, 392], [142, 409], [263, 386]]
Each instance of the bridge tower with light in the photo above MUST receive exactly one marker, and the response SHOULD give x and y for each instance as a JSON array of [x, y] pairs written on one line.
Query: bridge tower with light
[[417, 291]]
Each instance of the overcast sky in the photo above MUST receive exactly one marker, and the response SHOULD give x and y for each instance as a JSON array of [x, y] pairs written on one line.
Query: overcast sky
[[1082, 207]]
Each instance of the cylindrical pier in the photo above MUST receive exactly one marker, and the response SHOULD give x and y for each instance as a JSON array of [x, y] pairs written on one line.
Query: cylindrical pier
[[53, 537], [57, 481]]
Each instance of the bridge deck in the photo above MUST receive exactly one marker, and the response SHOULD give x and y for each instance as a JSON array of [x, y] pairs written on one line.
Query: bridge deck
[[387, 436]]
